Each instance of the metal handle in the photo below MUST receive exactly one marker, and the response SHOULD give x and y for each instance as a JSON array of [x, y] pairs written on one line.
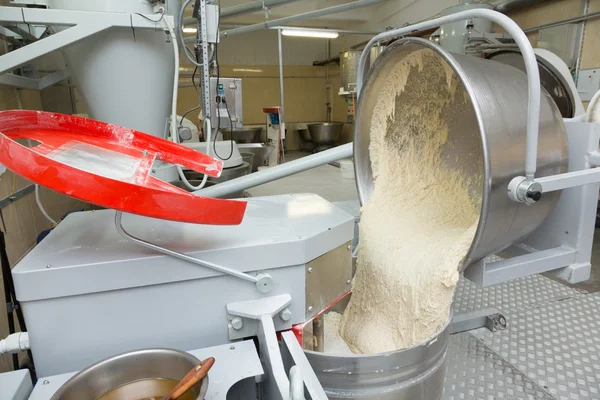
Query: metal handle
[[263, 281], [531, 66]]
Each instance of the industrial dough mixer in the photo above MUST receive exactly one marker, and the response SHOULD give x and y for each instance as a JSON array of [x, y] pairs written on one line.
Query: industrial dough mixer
[[242, 293]]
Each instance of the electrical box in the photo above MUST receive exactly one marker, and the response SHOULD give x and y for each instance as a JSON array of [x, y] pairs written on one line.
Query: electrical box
[[229, 112], [212, 21], [588, 83]]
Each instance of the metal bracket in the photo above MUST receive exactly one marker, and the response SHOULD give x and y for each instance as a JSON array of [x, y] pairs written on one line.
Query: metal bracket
[[489, 318], [263, 281], [16, 196], [276, 383]]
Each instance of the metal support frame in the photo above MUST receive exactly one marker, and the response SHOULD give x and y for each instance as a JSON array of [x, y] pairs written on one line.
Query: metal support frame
[[204, 70], [35, 84], [294, 357], [82, 25], [281, 95], [563, 243], [489, 318], [276, 383], [16, 196], [263, 281]]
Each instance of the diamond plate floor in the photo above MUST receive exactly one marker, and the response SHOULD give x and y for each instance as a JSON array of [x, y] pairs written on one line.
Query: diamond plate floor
[[476, 372], [556, 344], [550, 350], [516, 294]]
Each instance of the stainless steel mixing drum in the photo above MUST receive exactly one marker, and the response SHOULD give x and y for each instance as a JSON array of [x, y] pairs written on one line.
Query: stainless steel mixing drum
[[491, 124], [414, 373]]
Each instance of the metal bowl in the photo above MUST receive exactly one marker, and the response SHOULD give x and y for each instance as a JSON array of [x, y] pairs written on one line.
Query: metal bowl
[[325, 132], [243, 135], [305, 135], [100, 378], [414, 373], [486, 137]]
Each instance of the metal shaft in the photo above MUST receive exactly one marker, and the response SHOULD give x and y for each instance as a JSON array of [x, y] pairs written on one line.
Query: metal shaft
[[278, 172], [300, 17]]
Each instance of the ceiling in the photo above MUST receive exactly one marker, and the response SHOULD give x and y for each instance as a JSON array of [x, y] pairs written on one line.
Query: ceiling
[[345, 20]]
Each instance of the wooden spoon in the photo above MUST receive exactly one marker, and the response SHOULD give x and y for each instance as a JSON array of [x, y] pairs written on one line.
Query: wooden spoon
[[191, 378]]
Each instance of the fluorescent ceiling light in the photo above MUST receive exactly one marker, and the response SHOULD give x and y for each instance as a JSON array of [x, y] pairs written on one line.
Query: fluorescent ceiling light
[[246, 70], [190, 30], [314, 33]]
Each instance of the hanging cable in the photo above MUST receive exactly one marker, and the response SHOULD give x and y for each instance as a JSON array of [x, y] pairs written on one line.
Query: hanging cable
[[218, 100], [41, 207], [174, 135]]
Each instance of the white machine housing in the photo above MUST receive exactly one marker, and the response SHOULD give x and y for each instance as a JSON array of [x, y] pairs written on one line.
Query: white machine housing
[[88, 294]]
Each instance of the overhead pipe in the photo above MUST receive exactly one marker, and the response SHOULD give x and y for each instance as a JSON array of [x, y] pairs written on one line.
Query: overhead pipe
[[252, 6], [244, 9], [277, 172], [505, 6], [300, 17]]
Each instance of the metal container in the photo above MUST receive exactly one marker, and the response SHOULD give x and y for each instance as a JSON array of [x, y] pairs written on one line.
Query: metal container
[[113, 372], [324, 133], [409, 374], [348, 70], [248, 157], [261, 153], [305, 135], [492, 124], [243, 135]]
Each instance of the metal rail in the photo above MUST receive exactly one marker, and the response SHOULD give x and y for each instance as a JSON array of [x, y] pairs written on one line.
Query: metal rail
[[263, 282]]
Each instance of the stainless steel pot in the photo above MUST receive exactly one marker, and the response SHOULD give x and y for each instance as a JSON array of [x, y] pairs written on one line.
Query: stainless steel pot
[[490, 125], [409, 374], [244, 135], [323, 133], [98, 379]]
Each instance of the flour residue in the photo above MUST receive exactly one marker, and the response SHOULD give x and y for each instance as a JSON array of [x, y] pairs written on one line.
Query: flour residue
[[420, 220]]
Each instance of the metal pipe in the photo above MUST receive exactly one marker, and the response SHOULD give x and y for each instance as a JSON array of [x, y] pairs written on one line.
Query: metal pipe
[[252, 6], [564, 22], [281, 96], [181, 256], [531, 66], [280, 171], [585, 4], [243, 9], [300, 17], [505, 6], [340, 31]]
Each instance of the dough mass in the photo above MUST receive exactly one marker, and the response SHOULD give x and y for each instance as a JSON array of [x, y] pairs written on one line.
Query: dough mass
[[421, 218]]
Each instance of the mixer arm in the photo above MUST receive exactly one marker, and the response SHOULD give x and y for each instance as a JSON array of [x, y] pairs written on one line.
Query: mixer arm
[[263, 281]]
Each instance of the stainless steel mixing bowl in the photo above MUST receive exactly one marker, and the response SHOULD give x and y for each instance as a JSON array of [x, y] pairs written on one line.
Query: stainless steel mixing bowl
[[489, 126], [244, 135], [113, 372], [414, 373], [324, 133]]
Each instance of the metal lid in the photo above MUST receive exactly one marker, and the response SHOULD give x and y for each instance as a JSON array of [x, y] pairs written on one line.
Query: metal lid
[[109, 165]]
